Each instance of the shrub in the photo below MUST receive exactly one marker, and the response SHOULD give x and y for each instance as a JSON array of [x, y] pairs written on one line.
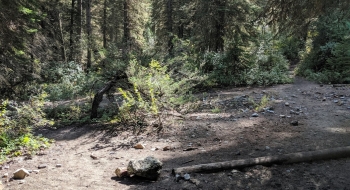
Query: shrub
[[17, 122], [328, 56]]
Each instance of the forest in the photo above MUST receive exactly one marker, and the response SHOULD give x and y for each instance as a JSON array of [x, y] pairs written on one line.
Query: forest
[[60, 59]]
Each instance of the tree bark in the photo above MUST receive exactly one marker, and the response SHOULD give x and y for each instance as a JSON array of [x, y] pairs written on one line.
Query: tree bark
[[170, 26], [99, 95], [71, 32], [334, 153], [104, 27], [126, 28], [88, 31], [78, 28]]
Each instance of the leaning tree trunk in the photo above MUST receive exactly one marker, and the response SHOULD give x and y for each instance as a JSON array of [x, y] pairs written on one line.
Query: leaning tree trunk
[[99, 95]]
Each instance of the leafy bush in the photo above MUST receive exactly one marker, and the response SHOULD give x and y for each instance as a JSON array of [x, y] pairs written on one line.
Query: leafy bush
[[67, 114], [155, 88], [17, 122], [263, 64], [65, 81], [327, 58]]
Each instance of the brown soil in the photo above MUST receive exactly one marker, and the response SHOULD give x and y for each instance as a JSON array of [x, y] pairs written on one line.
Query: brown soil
[[322, 113]]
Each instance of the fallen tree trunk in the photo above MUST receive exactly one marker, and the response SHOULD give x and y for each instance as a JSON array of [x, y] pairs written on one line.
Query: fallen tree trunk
[[334, 153]]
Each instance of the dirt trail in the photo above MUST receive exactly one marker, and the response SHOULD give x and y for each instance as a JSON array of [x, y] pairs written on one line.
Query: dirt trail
[[222, 129]]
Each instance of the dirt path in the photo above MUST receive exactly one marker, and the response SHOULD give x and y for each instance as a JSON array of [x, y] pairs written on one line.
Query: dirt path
[[222, 129]]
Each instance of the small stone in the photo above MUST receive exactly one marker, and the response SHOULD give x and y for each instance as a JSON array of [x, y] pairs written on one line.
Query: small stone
[[93, 157], [36, 171], [287, 104], [42, 166], [234, 171], [294, 123], [283, 116], [195, 181], [20, 173], [166, 148], [324, 99], [341, 103], [58, 165], [21, 181], [187, 177], [154, 148], [5, 175], [122, 172], [267, 148], [336, 101], [139, 146], [177, 177], [255, 115]]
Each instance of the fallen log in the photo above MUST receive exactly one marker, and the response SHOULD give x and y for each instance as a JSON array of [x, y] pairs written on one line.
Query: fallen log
[[333, 153]]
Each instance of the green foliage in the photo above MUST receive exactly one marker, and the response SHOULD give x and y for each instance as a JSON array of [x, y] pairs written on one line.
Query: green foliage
[[67, 114], [327, 58], [16, 125], [65, 81], [262, 63], [155, 88]]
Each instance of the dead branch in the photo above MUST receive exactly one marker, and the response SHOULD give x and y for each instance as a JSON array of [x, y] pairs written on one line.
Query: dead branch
[[333, 153]]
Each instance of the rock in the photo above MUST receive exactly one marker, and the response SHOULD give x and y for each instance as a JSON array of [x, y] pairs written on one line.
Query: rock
[[187, 177], [167, 148], [36, 171], [255, 115], [20, 173], [21, 181], [234, 171], [177, 177], [267, 148], [336, 101], [324, 99], [341, 103], [283, 116], [93, 157], [286, 104], [195, 181], [5, 175], [148, 168], [154, 148], [58, 165], [42, 166], [139, 146], [122, 172], [294, 123]]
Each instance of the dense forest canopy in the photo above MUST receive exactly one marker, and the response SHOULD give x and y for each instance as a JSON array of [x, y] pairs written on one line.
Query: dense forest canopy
[[215, 36], [155, 53]]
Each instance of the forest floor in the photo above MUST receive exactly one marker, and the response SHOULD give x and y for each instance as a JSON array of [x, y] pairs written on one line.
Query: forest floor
[[221, 129]]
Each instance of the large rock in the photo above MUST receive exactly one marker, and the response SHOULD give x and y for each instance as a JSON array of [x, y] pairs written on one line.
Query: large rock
[[20, 173], [148, 168]]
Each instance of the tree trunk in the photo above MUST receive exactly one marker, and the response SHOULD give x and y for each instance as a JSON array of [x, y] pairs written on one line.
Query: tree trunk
[[78, 28], [104, 27], [63, 49], [219, 26], [99, 95], [170, 26], [88, 31], [126, 28], [334, 153], [71, 29]]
